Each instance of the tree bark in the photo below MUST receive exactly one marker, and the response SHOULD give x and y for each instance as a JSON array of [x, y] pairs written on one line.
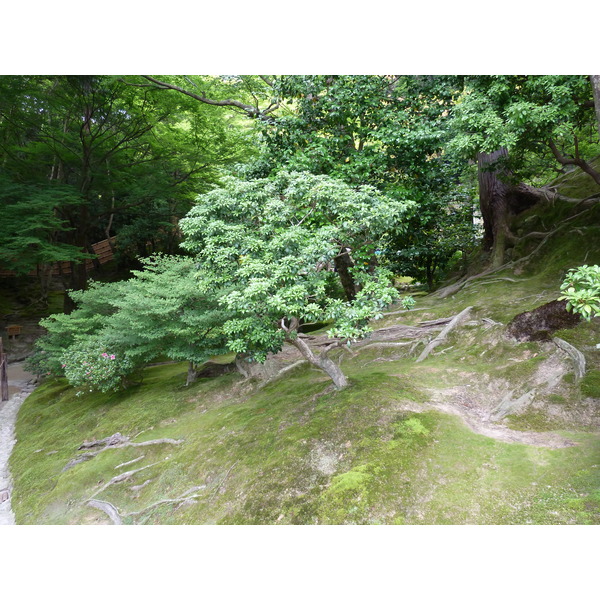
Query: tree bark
[[493, 200], [343, 263], [321, 361], [499, 202], [595, 80], [192, 373]]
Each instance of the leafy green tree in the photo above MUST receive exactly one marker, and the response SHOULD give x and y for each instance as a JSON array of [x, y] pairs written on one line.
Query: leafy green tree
[[134, 157], [160, 312], [440, 231], [29, 227], [389, 131], [381, 130], [518, 128], [268, 247]]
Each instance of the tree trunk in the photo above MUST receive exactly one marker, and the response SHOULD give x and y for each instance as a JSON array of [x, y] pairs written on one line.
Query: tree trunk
[[499, 202], [493, 199], [240, 365], [321, 361], [343, 263], [192, 373], [595, 79], [430, 270]]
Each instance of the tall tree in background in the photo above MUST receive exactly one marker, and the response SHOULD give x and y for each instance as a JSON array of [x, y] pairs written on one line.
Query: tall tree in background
[[518, 128], [133, 158]]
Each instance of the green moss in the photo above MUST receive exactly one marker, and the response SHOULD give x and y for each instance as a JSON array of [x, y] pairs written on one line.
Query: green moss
[[534, 420], [590, 384], [409, 428], [556, 399], [294, 452]]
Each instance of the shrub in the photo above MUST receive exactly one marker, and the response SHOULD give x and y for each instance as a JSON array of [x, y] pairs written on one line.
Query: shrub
[[86, 364]]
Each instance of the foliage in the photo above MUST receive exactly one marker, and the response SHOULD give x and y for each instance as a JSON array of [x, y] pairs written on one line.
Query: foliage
[[270, 245], [581, 289], [88, 365], [442, 228], [29, 224], [94, 308], [524, 113], [391, 132], [95, 156], [159, 312], [408, 302], [381, 130]]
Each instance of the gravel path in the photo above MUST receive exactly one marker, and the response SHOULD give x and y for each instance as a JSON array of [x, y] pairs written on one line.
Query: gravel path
[[21, 385]]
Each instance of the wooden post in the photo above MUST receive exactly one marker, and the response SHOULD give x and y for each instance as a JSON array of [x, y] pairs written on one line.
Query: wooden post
[[3, 374]]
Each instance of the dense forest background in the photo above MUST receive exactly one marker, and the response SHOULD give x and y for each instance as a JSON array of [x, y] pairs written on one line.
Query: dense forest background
[[85, 158]]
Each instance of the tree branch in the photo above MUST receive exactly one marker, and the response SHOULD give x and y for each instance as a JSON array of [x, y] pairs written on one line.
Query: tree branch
[[578, 162], [252, 111]]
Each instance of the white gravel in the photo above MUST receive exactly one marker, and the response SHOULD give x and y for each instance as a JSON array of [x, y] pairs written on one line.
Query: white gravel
[[21, 386]]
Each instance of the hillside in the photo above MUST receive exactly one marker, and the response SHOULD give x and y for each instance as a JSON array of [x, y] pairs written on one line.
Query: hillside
[[485, 430]]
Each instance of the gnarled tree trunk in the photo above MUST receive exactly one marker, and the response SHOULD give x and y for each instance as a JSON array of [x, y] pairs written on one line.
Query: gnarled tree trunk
[[500, 201], [321, 361]]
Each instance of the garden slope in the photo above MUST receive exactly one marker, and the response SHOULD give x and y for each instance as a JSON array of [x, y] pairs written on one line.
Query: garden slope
[[485, 430]]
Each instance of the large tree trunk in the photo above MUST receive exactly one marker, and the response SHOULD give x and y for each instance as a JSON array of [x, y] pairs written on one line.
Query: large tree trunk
[[499, 201], [493, 201]]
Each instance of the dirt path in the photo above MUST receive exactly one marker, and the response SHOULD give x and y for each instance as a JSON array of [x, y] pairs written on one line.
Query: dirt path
[[481, 424], [20, 387]]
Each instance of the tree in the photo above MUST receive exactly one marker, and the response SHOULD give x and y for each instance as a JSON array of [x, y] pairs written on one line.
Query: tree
[[388, 131], [158, 312], [29, 227], [381, 130], [439, 235], [135, 159], [268, 247], [518, 128]]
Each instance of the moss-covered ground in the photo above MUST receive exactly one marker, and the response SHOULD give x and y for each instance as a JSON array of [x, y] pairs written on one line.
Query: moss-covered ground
[[296, 452]]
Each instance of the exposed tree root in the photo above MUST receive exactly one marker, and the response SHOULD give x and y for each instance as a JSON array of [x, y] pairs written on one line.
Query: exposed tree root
[[577, 357], [137, 488], [179, 500], [114, 441], [130, 462], [544, 236], [282, 372], [455, 321], [109, 509], [385, 345], [124, 476], [222, 482], [509, 404], [401, 312]]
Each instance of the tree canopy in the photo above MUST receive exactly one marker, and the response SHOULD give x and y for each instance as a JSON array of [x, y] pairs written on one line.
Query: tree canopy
[[271, 246]]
